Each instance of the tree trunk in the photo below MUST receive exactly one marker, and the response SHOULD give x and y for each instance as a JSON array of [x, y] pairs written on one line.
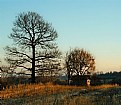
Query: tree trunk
[[33, 65], [68, 73]]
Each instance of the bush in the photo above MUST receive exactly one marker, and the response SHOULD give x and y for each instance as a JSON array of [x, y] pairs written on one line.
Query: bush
[[60, 82]]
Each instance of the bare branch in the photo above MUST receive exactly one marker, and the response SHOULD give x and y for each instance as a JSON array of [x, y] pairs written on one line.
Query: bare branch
[[35, 39]]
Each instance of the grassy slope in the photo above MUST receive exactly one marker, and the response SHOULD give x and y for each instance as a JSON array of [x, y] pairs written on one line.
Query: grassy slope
[[61, 95]]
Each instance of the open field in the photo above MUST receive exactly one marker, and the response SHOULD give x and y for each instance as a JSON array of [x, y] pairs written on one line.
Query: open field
[[49, 94]]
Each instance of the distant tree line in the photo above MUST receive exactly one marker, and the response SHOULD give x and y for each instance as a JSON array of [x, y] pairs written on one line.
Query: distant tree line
[[110, 78]]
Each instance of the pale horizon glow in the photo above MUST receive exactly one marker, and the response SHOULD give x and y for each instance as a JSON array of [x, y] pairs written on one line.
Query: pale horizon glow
[[94, 25]]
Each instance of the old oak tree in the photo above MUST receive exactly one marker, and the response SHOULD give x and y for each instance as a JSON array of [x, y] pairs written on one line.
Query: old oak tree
[[34, 46]]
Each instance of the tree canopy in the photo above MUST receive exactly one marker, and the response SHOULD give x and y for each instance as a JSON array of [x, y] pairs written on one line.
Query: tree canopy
[[34, 44], [79, 62]]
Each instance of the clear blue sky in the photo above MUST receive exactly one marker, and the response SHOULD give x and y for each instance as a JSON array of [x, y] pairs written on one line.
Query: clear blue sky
[[94, 25]]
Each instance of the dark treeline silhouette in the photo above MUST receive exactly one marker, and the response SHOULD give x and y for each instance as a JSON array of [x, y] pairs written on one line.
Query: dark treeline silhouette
[[110, 77], [106, 78]]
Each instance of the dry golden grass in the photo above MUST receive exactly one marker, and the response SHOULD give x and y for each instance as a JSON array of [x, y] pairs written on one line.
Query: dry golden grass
[[39, 89], [33, 89], [101, 87]]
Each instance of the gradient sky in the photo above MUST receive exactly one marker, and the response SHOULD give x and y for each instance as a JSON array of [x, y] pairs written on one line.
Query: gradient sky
[[94, 25]]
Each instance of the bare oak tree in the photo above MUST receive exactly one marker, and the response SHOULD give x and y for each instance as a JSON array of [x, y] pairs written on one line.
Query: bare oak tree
[[79, 63], [33, 43]]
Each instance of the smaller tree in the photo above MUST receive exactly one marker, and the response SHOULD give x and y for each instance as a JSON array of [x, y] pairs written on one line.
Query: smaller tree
[[79, 63]]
